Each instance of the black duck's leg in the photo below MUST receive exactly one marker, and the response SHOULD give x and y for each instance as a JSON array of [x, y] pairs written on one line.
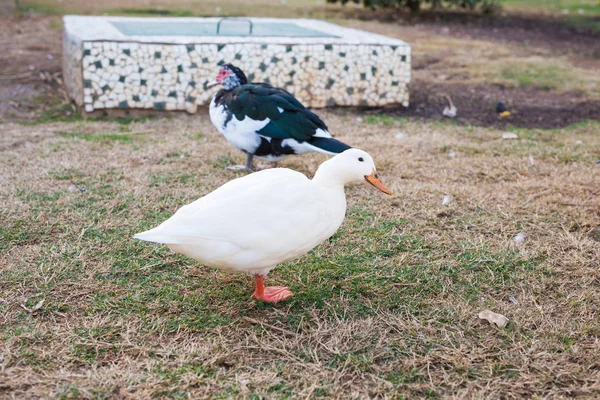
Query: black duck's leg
[[248, 167]]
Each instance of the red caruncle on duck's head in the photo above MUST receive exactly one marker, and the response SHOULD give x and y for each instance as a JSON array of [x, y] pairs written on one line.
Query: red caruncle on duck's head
[[230, 77]]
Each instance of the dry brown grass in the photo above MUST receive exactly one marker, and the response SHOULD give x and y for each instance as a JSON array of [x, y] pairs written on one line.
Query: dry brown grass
[[369, 319]]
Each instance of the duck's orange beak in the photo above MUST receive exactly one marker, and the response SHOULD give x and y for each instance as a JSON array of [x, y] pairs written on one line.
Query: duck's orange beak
[[374, 180]]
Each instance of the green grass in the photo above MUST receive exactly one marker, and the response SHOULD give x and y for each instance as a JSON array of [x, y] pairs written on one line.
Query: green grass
[[54, 110], [383, 119], [589, 7], [46, 9], [50, 8], [581, 22], [582, 14], [177, 8], [101, 137], [546, 77]]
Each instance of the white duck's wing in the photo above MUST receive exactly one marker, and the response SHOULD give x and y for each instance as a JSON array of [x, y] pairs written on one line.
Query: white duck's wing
[[262, 219]]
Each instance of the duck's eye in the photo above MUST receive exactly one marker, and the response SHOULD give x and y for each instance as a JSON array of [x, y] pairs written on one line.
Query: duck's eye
[[360, 159]]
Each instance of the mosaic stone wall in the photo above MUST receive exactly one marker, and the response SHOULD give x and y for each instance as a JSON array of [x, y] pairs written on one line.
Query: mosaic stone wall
[[72, 72], [173, 76]]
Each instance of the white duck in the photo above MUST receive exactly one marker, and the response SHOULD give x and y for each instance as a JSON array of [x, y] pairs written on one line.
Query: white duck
[[256, 222]]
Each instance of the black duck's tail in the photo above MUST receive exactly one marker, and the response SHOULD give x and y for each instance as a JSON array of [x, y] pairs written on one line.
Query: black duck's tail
[[328, 145]]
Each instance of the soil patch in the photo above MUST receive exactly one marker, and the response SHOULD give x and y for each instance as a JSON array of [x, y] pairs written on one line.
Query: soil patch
[[476, 106]]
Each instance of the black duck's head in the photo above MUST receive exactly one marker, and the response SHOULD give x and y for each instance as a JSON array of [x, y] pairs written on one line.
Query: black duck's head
[[230, 77]]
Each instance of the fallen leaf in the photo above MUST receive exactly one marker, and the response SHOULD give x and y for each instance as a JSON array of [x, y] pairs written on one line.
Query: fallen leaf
[[509, 136], [34, 308], [446, 200], [498, 319]]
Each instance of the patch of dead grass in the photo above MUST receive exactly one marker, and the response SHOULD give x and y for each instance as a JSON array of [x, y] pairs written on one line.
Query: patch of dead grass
[[386, 308]]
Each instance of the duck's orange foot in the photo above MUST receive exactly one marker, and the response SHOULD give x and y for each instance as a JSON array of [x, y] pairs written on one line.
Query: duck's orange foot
[[273, 294]]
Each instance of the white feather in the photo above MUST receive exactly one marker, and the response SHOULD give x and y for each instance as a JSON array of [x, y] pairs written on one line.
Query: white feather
[[239, 133], [322, 133], [520, 237]]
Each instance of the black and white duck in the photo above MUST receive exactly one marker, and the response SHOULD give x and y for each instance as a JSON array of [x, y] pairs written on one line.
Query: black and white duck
[[265, 121]]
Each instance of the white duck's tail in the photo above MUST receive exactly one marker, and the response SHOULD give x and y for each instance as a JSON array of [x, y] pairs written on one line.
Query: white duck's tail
[[156, 236]]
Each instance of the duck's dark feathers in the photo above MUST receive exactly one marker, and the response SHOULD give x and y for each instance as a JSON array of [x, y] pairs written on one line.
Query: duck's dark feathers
[[273, 148], [259, 101]]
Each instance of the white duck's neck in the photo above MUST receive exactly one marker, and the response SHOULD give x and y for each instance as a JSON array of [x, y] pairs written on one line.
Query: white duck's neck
[[328, 176]]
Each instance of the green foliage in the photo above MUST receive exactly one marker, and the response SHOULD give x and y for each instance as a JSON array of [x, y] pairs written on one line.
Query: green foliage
[[415, 5]]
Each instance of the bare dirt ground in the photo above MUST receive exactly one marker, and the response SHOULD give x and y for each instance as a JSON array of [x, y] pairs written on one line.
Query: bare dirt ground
[[387, 308]]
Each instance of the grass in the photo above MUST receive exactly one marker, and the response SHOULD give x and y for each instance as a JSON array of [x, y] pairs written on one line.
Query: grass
[[589, 7], [545, 77], [41, 8], [103, 137], [581, 14], [382, 119], [387, 307], [585, 23], [50, 110], [180, 8]]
